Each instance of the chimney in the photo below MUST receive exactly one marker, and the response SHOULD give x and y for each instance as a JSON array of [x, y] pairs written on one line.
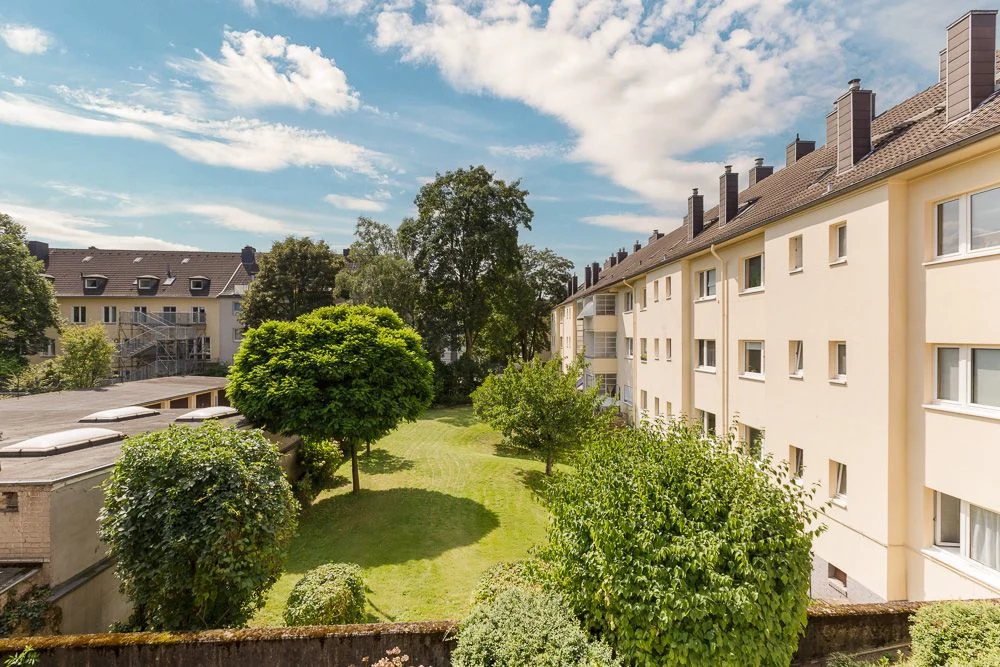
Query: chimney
[[971, 68], [347, 253], [587, 276], [855, 110], [249, 258], [609, 262], [636, 247], [831, 128], [729, 195], [759, 172], [655, 235], [696, 214], [622, 254], [797, 150], [576, 285], [943, 65], [39, 250], [595, 272]]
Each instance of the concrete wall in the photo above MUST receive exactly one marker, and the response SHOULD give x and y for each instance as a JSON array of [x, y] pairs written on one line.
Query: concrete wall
[[73, 525], [94, 605]]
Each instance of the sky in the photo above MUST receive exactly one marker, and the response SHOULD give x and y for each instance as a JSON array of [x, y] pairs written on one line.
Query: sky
[[214, 124]]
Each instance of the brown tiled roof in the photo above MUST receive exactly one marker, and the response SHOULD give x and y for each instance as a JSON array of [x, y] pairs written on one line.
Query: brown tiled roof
[[224, 271], [910, 132]]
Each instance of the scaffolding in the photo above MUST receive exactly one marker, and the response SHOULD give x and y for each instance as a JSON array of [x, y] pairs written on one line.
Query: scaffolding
[[153, 345]]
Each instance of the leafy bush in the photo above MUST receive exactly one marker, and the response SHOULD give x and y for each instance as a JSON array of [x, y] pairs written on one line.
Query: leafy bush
[[956, 633], [197, 521], [10, 366], [37, 378], [522, 574], [318, 460], [331, 594], [683, 551], [28, 613], [527, 629], [87, 357]]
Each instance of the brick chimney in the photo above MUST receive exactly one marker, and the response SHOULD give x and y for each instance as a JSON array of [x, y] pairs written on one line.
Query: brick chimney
[[622, 254], [655, 235], [249, 258], [971, 67], [797, 150], [636, 247], [587, 276], [696, 214], [576, 285], [855, 110], [39, 250], [595, 272], [759, 172], [729, 195]]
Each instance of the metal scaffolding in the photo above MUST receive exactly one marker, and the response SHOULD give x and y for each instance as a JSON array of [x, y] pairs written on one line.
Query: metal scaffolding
[[156, 344]]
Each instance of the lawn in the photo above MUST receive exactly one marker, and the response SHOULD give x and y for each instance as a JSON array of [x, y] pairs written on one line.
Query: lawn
[[441, 501]]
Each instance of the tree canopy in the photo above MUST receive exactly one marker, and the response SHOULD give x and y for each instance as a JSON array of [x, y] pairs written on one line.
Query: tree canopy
[[350, 373], [86, 358], [297, 275], [197, 521], [27, 300]]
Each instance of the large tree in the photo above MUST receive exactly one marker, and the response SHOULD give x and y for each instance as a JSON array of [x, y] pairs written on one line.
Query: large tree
[[86, 358], [27, 300], [347, 373], [197, 521], [465, 244], [296, 276], [537, 406]]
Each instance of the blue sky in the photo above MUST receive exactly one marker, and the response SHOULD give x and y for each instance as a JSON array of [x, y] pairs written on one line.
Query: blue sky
[[217, 123]]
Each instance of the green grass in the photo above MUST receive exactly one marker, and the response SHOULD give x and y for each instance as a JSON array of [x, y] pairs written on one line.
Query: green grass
[[441, 501]]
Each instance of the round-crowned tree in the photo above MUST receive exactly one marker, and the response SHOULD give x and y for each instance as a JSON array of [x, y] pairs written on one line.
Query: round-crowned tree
[[681, 549], [197, 521], [350, 373], [331, 594]]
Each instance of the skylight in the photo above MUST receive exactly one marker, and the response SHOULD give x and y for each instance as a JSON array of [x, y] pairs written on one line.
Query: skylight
[[137, 260], [204, 414], [120, 414], [61, 442], [185, 260], [88, 258]]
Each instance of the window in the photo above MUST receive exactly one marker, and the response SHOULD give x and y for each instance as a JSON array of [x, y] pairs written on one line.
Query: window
[[670, 409], [969, 223], [706, 353], [642, 399], [237, 307], [50, 348], [642, 349], [971, 530], [984, 212], [656, 290], [968, 376], [629, 347], [796, 363], [707, 422], [200, 347], [170, 314], [90, 283], [237, 334], [754, 441], [666, 287], [753, 272], [838, 480], [753, 358], [198, 314], [606, 383], [146, 283], [197, 284], [9, 501], [642, 299], [837, 577], [656, 406], [838, 243], [706, 284], [667, 351], [656, 348], [604, 304], [796, 461], [605, 345], [948, 228], [79, 314], [628, 301], [838, 361], [795, 253], [110, 314]]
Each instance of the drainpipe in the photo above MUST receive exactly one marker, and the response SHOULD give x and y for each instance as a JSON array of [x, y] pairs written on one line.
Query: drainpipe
[[725, 339], [633, 371]]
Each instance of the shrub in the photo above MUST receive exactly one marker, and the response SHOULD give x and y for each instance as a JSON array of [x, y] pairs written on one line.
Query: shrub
[[331, 594], [522, 574], [527, 628], [956, 633], [318, 460], [37, 378], [683, 551], [197, 521]]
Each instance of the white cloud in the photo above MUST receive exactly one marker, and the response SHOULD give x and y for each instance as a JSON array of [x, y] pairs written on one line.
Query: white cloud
[[312, 8], [80, 231], [631, 222], [368, 205], [25, 38], [83, 192], [527, 151], [233, 217], [240, 143], [255, 70]]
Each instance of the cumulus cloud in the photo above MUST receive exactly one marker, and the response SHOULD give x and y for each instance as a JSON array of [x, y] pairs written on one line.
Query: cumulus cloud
[[312, 8], [365, 204], [631, 222], [527, 151], [25, 39], [234, 217], [80, 231], [255, 70]]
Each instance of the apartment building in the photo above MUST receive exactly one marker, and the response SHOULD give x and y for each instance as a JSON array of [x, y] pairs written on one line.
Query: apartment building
[[169, 312], [840, 313]]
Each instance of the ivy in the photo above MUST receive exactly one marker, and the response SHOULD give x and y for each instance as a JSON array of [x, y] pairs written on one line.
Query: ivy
[[27, 614]]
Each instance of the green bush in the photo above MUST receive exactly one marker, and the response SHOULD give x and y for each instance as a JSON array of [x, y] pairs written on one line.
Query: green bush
[[527, 629], [318, 460], [956, 633], [502, 577], [37, 378], [331, 594], [681, 549]]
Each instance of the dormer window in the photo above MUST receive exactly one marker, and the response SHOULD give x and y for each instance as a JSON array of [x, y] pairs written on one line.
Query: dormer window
[[147, 282], [90, 283], [198, 283], [93, 281]]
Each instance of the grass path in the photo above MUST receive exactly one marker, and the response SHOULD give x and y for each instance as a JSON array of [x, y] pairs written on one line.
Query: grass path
[[440, 503]]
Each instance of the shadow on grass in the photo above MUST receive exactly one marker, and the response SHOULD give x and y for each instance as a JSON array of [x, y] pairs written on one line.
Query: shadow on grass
[[393, 526], [509, 452], [381, 462], [461, 417], [536, 481]]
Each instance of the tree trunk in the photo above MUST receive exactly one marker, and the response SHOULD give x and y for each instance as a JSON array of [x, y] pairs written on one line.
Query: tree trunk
[[354, 469], [548, 462], [369, 445]]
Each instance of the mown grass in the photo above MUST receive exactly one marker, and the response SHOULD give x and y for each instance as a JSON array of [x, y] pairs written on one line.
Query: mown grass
[[441, 501]]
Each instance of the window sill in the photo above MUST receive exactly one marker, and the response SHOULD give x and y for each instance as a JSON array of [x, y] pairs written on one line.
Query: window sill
[[966, 566], [752, 290], [839, 262], [837, 586], [959, 257], [967, 410], [753, 377], [840, 382], [839, 502], [703, 299], [705, 369], [796, 376], [792, 272]]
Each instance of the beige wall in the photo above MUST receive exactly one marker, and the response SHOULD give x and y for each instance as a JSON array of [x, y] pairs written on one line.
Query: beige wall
[[73, 526], [94, 606], [24, 534]]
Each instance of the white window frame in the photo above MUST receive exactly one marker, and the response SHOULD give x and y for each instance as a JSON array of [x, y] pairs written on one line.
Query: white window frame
[[197, 284], [91, 283], [629, 301], [642, 298], [643, 399], [79, 314], [964, 546], [237, 334], [667, 349], [666, 287], [606, 383], [748, 441], [605, 345], [198, 315], [966, 378], [145, 283], [237, 307], [706, 284], [964, 227], [838, 249], [656, 291], [656, 349], [50, 348], [795, 261], [707, 417], [643, 350], [796, 359], [747, 288], [629, 347], [701, 349], [744, 350], [839, 480], [110, 310], [604, 304], [836, 376], [796, 461], [656, 406]]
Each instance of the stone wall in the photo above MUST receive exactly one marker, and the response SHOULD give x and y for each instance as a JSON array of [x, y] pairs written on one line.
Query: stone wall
[[24, 533]]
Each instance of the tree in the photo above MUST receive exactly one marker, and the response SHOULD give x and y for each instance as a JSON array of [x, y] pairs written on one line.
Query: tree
[[350, 373], [536, 405], [683, 550], [86, 358], [197, 521], [27, 300], [465, 243], [296, 276], [519, 324]]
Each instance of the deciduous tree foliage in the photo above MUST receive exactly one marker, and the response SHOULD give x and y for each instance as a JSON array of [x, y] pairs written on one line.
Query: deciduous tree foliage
[[350, 373], [535, 405], [27, 300], [379, 273], [296, 276], [682, 550], [86, 358], [197, 521]]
